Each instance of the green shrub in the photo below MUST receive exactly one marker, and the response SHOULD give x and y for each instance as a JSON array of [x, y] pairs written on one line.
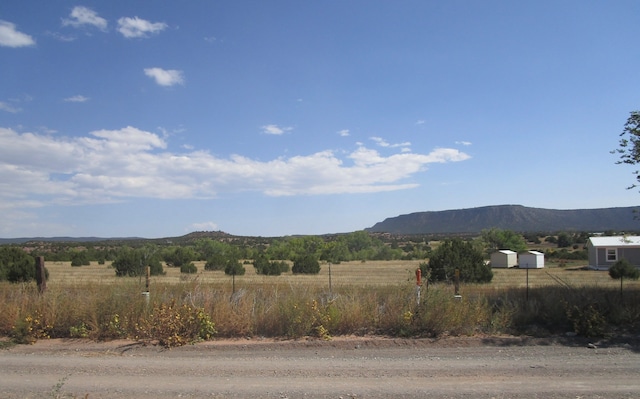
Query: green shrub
[[270, 268], [189, 268], [174, 325], [80, 258], [234, 268], [214, 263], [16, 265], [261, 263], [306, 264], [133, 262], [31, 328], [462, 255], [218, 254], [623, 269], [179, 256], [587, 319], [79, 331]]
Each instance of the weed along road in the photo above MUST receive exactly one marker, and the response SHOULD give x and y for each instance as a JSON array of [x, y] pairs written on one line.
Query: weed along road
[[340, 368]]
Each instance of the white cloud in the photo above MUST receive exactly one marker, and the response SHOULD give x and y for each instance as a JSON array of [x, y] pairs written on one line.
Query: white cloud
[[113, 165], [81, 16], [463, 142], [165, 77], [137, 27], [77, 99], [420, 122], [275, 129], [9, 108], [10, 37], [344, 132], [204, 226]]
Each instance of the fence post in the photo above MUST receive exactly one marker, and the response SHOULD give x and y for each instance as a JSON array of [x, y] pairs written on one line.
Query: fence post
[[457, 284], [527, 283], [418, 284], [146, 293], [41, 274]]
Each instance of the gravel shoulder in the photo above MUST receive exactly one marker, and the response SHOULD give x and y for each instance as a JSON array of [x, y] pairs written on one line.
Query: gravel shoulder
[[344, 367]]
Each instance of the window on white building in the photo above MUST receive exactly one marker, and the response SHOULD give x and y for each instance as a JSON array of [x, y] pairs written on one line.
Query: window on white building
[[612, 254]]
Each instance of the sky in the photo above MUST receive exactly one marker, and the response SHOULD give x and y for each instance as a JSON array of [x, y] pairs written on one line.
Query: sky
[[286, 117]]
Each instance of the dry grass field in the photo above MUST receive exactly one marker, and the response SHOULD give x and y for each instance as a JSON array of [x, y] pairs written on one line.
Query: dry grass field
[[359, 274], [376, 297]]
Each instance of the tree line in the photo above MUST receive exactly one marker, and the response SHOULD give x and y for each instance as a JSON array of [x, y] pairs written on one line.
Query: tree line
[[305, 254]]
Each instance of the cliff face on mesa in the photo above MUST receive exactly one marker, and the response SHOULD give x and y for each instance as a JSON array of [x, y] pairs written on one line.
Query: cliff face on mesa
[[511, 217]]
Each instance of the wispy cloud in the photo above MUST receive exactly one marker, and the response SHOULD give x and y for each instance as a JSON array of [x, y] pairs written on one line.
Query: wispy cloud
[[83, 16], [165, 77], [60, 37], [421, 122], [138, 27], [466, 143], [113, 165], [343, 132], [9, 108], [204, 226], [383, 143], [47, 130], [77, 99], [11, 37], [275, 129]]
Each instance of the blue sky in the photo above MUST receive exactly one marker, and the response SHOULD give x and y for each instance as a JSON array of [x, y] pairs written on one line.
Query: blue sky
[[272, 118]]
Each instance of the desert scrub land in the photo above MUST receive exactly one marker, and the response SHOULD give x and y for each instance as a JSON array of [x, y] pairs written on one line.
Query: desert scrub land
[[354, 273], [356, 298]]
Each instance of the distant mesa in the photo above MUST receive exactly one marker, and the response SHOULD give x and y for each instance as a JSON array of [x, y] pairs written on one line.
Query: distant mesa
[[510, 217]]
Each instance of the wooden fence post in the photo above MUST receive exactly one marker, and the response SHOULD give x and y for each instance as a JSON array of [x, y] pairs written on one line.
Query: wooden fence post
[[457, 284], [41, 276]]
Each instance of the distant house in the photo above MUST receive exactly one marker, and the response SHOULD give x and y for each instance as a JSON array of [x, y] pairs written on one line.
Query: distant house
[[504, 258], [605, 251], [531, 260]]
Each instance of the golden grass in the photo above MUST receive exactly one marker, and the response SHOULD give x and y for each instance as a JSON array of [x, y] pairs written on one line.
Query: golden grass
[[550, 276], [355, 274], [350, 273], [366, 297]]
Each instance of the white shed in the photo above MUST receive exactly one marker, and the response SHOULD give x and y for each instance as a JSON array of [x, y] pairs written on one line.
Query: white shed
[[504, 258], [531, 260]]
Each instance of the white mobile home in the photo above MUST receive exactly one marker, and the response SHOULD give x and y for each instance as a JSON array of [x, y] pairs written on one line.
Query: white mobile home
[[605, 251], [504, 258], [531, 260]]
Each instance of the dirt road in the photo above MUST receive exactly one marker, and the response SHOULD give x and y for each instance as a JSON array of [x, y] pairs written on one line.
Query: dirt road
[[341, 368]]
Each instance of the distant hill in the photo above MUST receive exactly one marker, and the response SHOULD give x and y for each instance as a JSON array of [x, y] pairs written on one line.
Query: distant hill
[[461, 221], [218, 235], [510, 217], [23, 240]]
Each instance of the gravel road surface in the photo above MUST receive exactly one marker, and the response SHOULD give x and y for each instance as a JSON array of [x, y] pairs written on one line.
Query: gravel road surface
[[351, 367]]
